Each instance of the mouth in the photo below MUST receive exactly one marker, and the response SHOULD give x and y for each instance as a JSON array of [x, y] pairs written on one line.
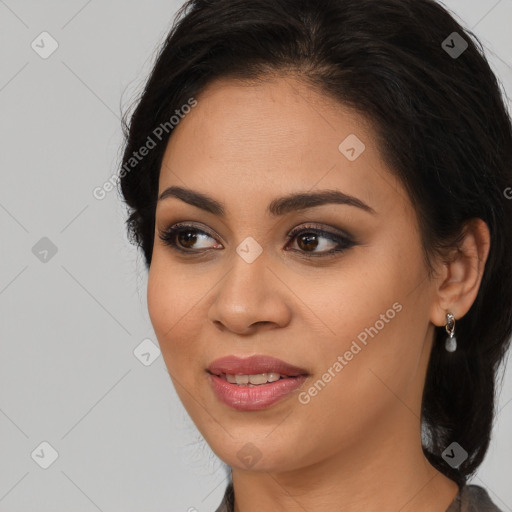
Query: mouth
[[256, 379], [254, 383], [255, 370]]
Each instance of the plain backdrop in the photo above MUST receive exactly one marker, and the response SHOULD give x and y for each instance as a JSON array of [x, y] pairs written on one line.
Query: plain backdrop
[[82, 388]]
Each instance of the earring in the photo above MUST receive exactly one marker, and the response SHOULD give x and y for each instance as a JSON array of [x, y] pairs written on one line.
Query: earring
[[450, 343]]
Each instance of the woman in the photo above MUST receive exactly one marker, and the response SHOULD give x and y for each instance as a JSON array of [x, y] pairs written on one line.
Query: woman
[[319, 189]]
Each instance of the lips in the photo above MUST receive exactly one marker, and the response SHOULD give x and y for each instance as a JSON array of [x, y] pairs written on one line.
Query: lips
[[253, 365]]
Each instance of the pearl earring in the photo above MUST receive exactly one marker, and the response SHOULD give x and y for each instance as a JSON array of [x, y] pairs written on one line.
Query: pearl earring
[[450, 343]]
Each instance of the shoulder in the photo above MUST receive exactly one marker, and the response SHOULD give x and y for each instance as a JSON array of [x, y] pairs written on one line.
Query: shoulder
[[473, 498]]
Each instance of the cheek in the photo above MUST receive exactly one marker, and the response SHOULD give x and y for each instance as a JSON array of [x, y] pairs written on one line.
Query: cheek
[[161, 305], [173, 308], [353, 300], [375, 341], [348, 397]]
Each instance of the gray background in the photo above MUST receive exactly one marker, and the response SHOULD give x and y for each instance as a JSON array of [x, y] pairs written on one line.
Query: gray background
[[69, 325]]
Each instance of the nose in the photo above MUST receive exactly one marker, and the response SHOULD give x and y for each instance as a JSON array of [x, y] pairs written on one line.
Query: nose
[[250, 298]]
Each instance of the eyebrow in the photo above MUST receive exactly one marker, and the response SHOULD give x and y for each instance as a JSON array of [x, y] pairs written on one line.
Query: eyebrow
[[279, 206]]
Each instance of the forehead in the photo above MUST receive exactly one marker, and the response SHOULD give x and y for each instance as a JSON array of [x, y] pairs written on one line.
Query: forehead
[[249, 142], [278, 114]]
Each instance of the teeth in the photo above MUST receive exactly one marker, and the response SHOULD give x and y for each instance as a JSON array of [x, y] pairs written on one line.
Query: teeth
[[255, 380], [242, 379], [260, 378]]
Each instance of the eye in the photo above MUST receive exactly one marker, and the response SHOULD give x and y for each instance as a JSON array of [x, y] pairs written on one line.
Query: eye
[[309, 238], [182, 237], [311, 241]]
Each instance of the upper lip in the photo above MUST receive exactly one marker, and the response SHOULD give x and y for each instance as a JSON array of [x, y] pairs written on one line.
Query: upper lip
[[233, 365]]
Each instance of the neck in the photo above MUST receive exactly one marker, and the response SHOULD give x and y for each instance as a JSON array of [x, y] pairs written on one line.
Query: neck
[[387, 473]]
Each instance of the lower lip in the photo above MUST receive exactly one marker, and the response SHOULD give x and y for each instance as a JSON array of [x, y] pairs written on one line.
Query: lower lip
[[254, 398]]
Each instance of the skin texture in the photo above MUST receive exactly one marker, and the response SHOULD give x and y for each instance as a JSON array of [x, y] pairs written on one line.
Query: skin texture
[[357, 443]]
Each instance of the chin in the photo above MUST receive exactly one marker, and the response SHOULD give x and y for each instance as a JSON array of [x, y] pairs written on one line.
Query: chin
[[256, 453]]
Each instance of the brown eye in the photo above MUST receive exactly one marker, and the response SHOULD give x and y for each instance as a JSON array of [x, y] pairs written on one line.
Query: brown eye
[[311, 242], [308, 240], [185, 238]]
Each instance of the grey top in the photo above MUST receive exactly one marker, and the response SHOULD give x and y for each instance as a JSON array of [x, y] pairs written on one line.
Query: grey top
[[471, 498]]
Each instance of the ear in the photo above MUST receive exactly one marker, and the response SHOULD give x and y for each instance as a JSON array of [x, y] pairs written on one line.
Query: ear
[[461, 275]]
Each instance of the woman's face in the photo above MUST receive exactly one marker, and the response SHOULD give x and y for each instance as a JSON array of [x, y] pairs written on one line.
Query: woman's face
[[356, 322]]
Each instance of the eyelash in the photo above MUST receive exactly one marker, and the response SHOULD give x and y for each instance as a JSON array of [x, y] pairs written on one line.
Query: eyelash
[[168, 237]]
